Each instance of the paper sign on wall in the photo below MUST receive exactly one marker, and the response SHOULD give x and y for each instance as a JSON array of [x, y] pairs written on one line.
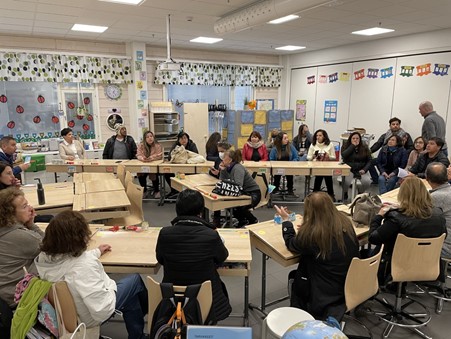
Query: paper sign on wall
[[330, 111], [301, 110]]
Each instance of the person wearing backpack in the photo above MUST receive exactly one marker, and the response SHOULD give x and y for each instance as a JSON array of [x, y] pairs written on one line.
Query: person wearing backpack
[[191, 249]]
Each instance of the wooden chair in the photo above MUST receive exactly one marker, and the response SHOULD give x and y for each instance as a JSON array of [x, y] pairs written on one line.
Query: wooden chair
[[68, 313], [121, 173], [128, 178], [414, 259], [205, 299], [361, 284], [136, 216]]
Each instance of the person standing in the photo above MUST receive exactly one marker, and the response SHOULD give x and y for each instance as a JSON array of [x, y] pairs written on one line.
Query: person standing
[[436, 176], [120, 146], [8, 148], [69, 148], [433, 124]]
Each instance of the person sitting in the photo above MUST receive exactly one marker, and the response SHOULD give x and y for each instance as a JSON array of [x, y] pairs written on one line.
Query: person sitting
[[7, 178], [120, 146], [65, 257], [302, 141], [419, 147], [182, 140], [436, 176], [191, 249], [394, 129], [414, 217], [19, 241], [433, 154], [149, 150], [8, 147], [283, 150], [222, 146], [271, 137], [232, 169], [70, 148], [255, 149], [322, 149], [326, 242], [357, 155], [391, 157], [211, 147]]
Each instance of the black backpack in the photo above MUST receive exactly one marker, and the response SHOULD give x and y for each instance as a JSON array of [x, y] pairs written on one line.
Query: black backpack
[[175, 312], [6, 317]]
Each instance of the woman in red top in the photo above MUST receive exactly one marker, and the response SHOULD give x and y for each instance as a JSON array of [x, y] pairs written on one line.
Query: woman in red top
[[254, 149]]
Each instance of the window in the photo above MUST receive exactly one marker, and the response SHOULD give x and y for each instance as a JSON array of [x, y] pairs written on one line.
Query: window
[[29, 110]]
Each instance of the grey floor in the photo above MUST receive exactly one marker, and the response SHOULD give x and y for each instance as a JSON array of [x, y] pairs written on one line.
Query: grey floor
[[438, 328]]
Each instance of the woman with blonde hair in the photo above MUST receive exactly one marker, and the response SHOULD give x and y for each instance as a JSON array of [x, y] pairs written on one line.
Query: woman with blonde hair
[[414, 217], [149, 150], [327, 242]]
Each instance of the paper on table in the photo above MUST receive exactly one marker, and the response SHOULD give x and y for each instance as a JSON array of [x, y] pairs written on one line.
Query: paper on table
[[402, 173]]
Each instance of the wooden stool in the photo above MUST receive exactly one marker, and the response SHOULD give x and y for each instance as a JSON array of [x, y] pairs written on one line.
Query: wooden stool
[[281, 319]]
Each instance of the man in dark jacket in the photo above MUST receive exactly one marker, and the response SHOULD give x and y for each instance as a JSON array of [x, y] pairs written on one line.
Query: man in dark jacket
[[191, 249], [7, 152], [433, 154], [120, 146]]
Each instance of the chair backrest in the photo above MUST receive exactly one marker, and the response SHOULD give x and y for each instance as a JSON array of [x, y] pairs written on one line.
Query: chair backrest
[[67, 304], [361, 280], [136, 216], [204, 297], [121, 173], [262, 182], [128, 178], [416, 259]]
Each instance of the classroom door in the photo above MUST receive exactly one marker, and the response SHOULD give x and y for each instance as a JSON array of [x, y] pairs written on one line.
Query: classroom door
[[195, 123]]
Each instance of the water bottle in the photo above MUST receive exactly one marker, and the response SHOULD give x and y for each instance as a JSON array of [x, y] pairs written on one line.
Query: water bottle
[[40, 190], [277, 219]]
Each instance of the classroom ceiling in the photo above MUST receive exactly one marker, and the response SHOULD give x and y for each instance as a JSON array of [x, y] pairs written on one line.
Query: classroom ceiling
[[322, 27]]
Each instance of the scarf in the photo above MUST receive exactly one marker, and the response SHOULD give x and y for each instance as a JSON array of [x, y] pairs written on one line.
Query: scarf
[[255, 145], [401, 133]]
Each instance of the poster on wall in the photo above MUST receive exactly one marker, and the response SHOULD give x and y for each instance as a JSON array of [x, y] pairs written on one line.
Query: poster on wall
[[265, 104], [330, 111], [301, 110]]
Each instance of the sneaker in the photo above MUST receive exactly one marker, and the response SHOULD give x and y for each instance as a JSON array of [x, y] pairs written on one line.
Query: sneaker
[[157, 195], [276, 191]]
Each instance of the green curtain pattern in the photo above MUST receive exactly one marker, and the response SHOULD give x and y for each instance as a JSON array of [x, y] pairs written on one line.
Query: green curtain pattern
[[64, 68], [220, 75]]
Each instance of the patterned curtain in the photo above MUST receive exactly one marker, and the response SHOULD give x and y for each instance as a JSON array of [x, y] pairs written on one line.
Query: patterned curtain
[[63, 68], [220, 75]]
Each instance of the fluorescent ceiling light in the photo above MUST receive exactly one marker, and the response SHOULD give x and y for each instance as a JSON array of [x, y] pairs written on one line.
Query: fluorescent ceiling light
[[290, 48], [283, 19], [205, 40], [89, 28], [373, 31], [126, 2]]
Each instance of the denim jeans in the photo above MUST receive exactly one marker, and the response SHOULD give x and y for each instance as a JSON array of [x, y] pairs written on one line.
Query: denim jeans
[[386, 185], [131, 300]]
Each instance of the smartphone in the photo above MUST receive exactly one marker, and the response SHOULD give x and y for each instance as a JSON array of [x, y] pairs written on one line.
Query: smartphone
[[27, 159]]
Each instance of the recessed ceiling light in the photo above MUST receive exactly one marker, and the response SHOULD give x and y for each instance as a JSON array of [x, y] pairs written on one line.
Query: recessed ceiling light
[[205, 40], [290, 48], [126, 2], [374, 31], [283, 19], [89, 28]]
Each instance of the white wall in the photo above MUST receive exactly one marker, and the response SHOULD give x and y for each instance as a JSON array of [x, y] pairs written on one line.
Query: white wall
[[373, 101]]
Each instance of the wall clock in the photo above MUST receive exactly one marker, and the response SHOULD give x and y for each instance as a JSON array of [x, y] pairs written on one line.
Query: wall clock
[[113, 92]]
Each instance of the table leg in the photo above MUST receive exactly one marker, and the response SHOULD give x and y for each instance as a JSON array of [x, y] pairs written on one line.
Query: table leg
[[56, 177], [246, 301], [162, 190], [307, 186], [342, 189]]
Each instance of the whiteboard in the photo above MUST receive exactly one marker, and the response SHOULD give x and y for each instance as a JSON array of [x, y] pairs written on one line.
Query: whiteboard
[[371, 96], [340, 91]]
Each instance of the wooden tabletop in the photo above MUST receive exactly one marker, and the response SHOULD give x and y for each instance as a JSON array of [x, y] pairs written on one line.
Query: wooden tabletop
[[98, 186], [290, 167], [167, 167], [329, 168], [86, 176], [57, 195], [267, 238], [138, 166], [205, 183]]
